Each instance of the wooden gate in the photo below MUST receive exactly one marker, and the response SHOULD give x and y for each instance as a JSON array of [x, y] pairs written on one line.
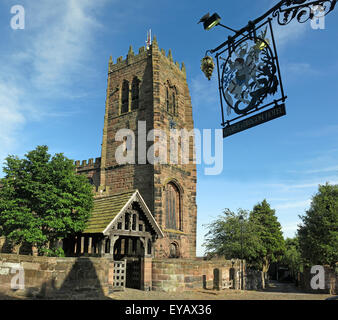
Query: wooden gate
[[119, 277], [133, 273]]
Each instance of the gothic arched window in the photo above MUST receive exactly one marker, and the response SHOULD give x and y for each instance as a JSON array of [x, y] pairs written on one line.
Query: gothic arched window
[[125, 97], [173, 207], [135, 91]]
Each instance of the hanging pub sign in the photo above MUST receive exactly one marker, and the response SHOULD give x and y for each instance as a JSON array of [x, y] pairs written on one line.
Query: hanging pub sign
[[249, 77], [249, 81]]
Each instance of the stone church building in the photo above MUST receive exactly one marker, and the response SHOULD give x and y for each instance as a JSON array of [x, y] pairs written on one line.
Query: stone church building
[[142, 208], [142, 230]]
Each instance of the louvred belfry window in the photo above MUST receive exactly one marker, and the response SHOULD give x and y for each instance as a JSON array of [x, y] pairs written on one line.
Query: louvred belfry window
[[173, 207], [125, 97], [135, 91]]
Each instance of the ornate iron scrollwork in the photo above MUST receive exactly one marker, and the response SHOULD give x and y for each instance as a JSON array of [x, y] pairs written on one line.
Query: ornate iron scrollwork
[[302, 11], [248, 69], [249, 80], [249, 75]]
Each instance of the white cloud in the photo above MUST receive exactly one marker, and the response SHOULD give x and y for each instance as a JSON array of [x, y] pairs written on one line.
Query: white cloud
[[295, 204], [289, 187], [12, 117], [290, 229], [327, 169], [61, 42], [329, 130], [51, 53], [301, 68], [289, 33]]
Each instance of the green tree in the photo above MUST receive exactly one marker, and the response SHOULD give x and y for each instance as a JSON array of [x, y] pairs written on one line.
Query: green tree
[[292, 257], [318, 233], [42, 199], [229, 236], [268, 230]]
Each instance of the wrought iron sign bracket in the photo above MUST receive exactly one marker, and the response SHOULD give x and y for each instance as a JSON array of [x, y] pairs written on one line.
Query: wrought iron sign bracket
[[249, 76]]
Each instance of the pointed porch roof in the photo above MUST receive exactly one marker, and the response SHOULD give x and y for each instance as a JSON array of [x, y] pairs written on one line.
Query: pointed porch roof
[[108, 209]]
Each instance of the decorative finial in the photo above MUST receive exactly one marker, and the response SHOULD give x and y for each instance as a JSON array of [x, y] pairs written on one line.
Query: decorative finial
[[170, 56], [183, 67], [130, 52]]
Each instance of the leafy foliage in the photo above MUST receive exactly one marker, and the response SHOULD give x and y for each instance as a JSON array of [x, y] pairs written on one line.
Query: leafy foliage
[[269, 232], [229, 236], [261, 236], [42, 198], [318, 233], [292, 257]]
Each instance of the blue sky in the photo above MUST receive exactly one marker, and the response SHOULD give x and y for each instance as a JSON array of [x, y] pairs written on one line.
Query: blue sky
[[53, 77]]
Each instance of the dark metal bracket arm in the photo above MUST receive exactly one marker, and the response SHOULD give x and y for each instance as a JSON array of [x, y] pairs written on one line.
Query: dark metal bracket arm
[[285, 9]]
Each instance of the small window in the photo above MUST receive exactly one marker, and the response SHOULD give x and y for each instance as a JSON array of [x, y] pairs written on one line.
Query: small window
[[119, 225], [149, 246], [140, 227], [126, 221], [134, 222]]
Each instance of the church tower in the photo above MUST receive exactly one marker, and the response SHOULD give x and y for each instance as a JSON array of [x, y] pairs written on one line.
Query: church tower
[[148, 91]]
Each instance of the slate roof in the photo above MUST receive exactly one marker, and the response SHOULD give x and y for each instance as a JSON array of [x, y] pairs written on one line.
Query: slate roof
[[105, 210]]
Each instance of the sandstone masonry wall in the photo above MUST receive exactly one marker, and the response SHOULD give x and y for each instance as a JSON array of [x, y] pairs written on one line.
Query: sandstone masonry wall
[[49, 276], [173, 275]]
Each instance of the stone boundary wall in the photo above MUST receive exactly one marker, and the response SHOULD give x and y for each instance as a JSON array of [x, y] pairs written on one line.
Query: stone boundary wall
[[331, 281], [46, 277], [173, 275]]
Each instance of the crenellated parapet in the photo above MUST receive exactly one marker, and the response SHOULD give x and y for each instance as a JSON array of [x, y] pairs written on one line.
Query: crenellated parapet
[[169, 58], [130, 59], [143, 53], [87, 165]]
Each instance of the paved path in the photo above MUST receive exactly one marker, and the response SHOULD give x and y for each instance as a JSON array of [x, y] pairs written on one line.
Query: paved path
[[276, 291]]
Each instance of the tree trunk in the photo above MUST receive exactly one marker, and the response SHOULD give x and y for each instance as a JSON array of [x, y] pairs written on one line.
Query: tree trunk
[[332, 284], [265, 269], [35, 250]]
